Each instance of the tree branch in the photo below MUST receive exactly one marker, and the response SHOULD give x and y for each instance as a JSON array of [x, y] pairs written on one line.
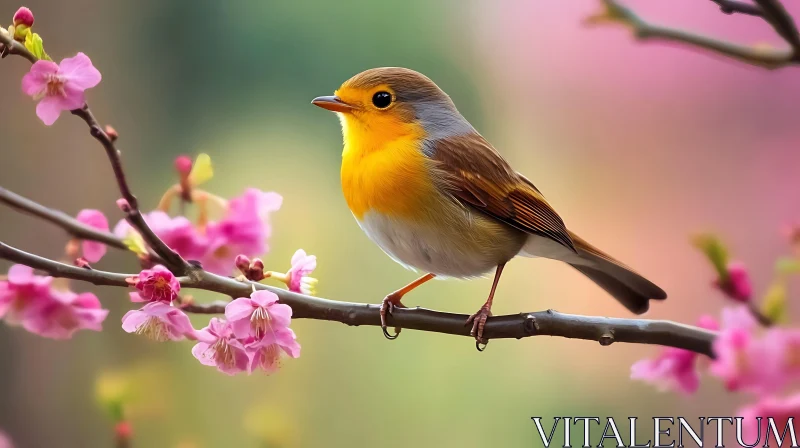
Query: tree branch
[[733, 6], [783, 23], [772, 11], [543, 323], [171, 259], [9, 46], [74, 227]]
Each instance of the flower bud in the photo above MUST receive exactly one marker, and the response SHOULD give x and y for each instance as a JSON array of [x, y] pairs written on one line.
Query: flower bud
[[111, 133], [24, 17], [242, 263], [123, 205], [737, 285], [184, 165], [123, 430]]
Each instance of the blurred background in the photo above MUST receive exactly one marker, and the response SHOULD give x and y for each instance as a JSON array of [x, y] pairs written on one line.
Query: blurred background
[[637, 145]]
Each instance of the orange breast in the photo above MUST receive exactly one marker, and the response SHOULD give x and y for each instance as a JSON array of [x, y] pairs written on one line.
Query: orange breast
[[388, 176]]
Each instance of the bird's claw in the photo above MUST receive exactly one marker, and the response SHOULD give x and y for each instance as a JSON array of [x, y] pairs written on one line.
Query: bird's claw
[[388, 336], [478, 321], [387, 306]]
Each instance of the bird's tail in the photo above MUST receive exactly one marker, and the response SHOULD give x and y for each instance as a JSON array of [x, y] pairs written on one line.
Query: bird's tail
[[629, 288]]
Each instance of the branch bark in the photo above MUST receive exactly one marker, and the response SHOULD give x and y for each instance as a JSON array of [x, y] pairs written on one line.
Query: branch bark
[[133, 215], [170, 258], [604, 330], [9, 46], [770, 10], [733, 6], [74, 227]]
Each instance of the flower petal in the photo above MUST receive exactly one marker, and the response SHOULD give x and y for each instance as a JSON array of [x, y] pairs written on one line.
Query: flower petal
[[49, 109], [93, 251], [240, 308], [35, 81], [20, 274], [180, 325], [79, 71], [202, 351], [73, 98], [133, 319], [264, 298], [281, 314]]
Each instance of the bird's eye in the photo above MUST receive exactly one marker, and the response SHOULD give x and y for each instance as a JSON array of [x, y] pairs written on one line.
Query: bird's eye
[[382, 99]]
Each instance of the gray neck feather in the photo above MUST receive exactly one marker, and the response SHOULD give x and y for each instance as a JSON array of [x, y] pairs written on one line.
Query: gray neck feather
[[441, 120]]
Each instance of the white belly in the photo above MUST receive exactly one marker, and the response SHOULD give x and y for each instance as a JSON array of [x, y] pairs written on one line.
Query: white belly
[[466, 245]]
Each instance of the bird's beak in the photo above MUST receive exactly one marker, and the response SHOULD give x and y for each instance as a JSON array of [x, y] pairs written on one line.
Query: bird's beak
[[332, 103]]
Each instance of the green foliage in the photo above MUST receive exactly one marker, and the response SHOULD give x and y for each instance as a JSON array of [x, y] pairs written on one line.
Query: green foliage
[[775, 303], [716, 252], [35, 44], [788, 266]]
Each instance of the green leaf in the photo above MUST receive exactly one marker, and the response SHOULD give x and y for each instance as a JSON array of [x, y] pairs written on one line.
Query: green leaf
[[715, 251], [116, 411], [35, 44], [202, 170], [788, 266], [775, 303]]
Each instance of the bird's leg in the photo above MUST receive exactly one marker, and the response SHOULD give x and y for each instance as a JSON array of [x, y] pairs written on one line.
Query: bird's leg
[[393, 300], [478, 320]]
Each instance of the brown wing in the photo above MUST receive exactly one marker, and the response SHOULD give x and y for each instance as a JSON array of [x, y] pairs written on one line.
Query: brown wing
[[478, 176]]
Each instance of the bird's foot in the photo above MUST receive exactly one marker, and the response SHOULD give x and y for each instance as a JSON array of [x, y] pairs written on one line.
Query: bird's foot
[[478, 322], [388, 305]]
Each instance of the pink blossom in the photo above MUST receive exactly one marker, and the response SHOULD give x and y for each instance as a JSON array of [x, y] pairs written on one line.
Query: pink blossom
[[298, 276], [159, 322], [266, 353], [178, 233], [243, 230], [780, 409], [60, 86], [218, 347], [744, 361], [21, 291], [738, 286], [786, 344], [156, 285], [30, 300], [258, 315], [92, 250], [63, 313], [673, 368], [5, 441]]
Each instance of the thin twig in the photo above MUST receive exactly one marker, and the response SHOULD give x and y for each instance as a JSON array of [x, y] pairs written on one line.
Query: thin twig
[[172, 259], [762, 318], [9, 46], [783, 23], [763, 57], [733, 6], [543, 323], [74, 227]]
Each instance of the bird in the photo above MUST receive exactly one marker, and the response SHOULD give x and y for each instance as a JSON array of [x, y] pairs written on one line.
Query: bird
[[439, 199]]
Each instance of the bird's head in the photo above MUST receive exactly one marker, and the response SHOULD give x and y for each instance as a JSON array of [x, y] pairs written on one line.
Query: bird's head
[[384, 104]]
